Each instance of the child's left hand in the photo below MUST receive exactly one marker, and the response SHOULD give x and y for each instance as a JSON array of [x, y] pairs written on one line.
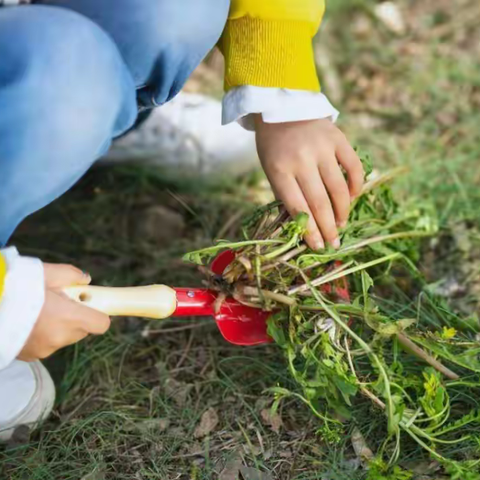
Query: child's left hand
[[62, 321], [303, 163]]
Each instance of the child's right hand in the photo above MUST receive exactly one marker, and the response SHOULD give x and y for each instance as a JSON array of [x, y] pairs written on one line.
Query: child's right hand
[[303, 162], [62, 321]]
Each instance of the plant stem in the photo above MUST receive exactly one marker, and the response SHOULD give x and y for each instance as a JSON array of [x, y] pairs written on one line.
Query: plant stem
[[284, 248], [384, 238], [364, 243], [366, 348], [384, 178], [323, 279], [402, 338], [285, 257], [277, 297], [211, 251], [343, 273], [364, 390], [418, 352], [258, 274]]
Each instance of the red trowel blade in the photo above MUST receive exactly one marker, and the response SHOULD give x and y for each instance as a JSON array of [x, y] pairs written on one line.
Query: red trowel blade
[[243, 325]]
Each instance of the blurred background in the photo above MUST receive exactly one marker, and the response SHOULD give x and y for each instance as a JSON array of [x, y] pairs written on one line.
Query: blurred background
[[171, 400]]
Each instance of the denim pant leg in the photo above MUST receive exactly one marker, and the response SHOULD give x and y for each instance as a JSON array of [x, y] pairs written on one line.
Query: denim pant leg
[[161, 41], [80, 85], [65, 92]]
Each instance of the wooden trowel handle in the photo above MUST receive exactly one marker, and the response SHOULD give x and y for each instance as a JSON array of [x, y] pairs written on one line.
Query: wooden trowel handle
[[154, 301]]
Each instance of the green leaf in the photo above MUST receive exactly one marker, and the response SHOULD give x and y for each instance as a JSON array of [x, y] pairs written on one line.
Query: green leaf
[[275, 329], [366, 161], [394, 328]]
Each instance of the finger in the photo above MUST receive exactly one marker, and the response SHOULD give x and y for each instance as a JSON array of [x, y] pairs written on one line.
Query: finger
[[288, 190], [319, 203], [349, 160], [81, 317], [93, 322], [53, 330], [337, 189], [58, 276]]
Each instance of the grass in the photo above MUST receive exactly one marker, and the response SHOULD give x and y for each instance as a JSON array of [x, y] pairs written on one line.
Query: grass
[[409, 99]]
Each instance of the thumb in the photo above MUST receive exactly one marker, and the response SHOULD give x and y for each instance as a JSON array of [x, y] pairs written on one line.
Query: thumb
[[58, 276]]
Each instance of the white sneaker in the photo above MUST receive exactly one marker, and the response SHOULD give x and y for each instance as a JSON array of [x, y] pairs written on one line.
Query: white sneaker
[[186, 137], [27, 394]]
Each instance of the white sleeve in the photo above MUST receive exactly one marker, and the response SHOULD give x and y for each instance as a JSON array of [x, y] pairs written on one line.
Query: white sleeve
[[21, 303], [277, 105]]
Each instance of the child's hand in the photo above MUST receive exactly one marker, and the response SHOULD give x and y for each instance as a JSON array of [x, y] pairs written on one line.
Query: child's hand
[[302, 161], [62, 322]]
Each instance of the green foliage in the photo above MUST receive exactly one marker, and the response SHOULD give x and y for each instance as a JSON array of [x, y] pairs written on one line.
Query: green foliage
[[435, 400], [331, 434], [348, 355], [379, 470], [366, 161], [467, 470]]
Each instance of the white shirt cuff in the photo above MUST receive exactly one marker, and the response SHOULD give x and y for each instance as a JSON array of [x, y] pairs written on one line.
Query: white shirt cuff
[[276, 105], [21, 303]]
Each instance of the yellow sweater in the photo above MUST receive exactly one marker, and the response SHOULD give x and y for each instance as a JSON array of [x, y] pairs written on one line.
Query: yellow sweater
[[268, 43], [3, 273]]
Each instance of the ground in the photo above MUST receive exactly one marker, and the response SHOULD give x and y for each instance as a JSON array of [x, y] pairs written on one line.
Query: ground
[[172, 400]]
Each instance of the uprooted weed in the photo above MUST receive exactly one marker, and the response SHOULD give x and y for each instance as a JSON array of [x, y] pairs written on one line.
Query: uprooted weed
[[347, 353]]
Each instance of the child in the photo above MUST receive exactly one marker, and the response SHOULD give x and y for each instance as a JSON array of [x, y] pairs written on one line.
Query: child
[[74, 75]]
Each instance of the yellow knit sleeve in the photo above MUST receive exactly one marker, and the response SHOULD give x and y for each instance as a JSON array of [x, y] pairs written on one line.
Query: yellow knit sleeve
[[3, 274], [268, 43]]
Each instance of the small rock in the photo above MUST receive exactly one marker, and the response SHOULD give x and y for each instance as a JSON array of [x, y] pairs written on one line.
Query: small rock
[[362, 26], [391, 16], [159, 225]]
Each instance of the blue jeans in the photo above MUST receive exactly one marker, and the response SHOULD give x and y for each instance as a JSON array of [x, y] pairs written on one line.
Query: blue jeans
[[72, 75]]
